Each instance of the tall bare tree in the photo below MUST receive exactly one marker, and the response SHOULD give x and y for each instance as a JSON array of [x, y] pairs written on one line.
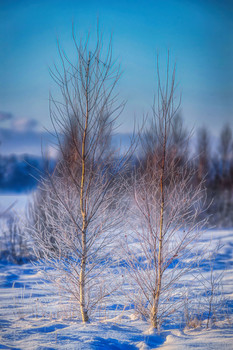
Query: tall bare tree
[[164, 215], [203, 152], [81, 223], [225, 150]]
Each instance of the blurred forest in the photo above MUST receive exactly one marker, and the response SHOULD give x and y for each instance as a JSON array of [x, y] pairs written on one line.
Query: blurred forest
[[211, 156]]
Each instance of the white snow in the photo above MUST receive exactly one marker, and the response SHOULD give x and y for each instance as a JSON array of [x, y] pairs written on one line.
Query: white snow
[[33, 317], [17, 202]]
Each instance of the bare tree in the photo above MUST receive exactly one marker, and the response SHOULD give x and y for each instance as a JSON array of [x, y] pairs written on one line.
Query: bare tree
[[151, 149], [203, 152], [179, 140], [165, 214], [81, 223], [225, 150], [222, 184]]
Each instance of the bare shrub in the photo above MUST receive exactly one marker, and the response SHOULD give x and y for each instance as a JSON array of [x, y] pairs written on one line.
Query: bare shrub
[[14, 245], [204, 304], [78, 219], [165, 217]]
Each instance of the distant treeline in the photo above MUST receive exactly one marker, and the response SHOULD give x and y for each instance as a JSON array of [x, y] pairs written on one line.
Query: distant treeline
[[212, 160], [20, 173], [215, 164]]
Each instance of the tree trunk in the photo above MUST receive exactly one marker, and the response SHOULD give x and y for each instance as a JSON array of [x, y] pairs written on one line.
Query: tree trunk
[[83, 309], [157, 290], [82, 279]]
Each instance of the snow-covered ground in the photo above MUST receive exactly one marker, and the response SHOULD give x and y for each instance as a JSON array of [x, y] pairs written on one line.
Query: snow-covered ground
[[17, 202], [33, 317]]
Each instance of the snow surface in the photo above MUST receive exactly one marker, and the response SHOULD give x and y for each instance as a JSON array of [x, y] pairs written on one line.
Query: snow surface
[[33, 317], [17, 202]]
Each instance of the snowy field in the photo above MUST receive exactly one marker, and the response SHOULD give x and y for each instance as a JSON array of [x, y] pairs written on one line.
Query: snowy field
[[18, 202], [34, 317]]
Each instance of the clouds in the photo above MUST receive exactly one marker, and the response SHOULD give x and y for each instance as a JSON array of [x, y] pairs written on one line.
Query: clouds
[[23, 124], [18, 124], [21, 135], [5, 116]]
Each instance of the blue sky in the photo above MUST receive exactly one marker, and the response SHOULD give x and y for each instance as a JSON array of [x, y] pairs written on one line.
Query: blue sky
[[198, 34]]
